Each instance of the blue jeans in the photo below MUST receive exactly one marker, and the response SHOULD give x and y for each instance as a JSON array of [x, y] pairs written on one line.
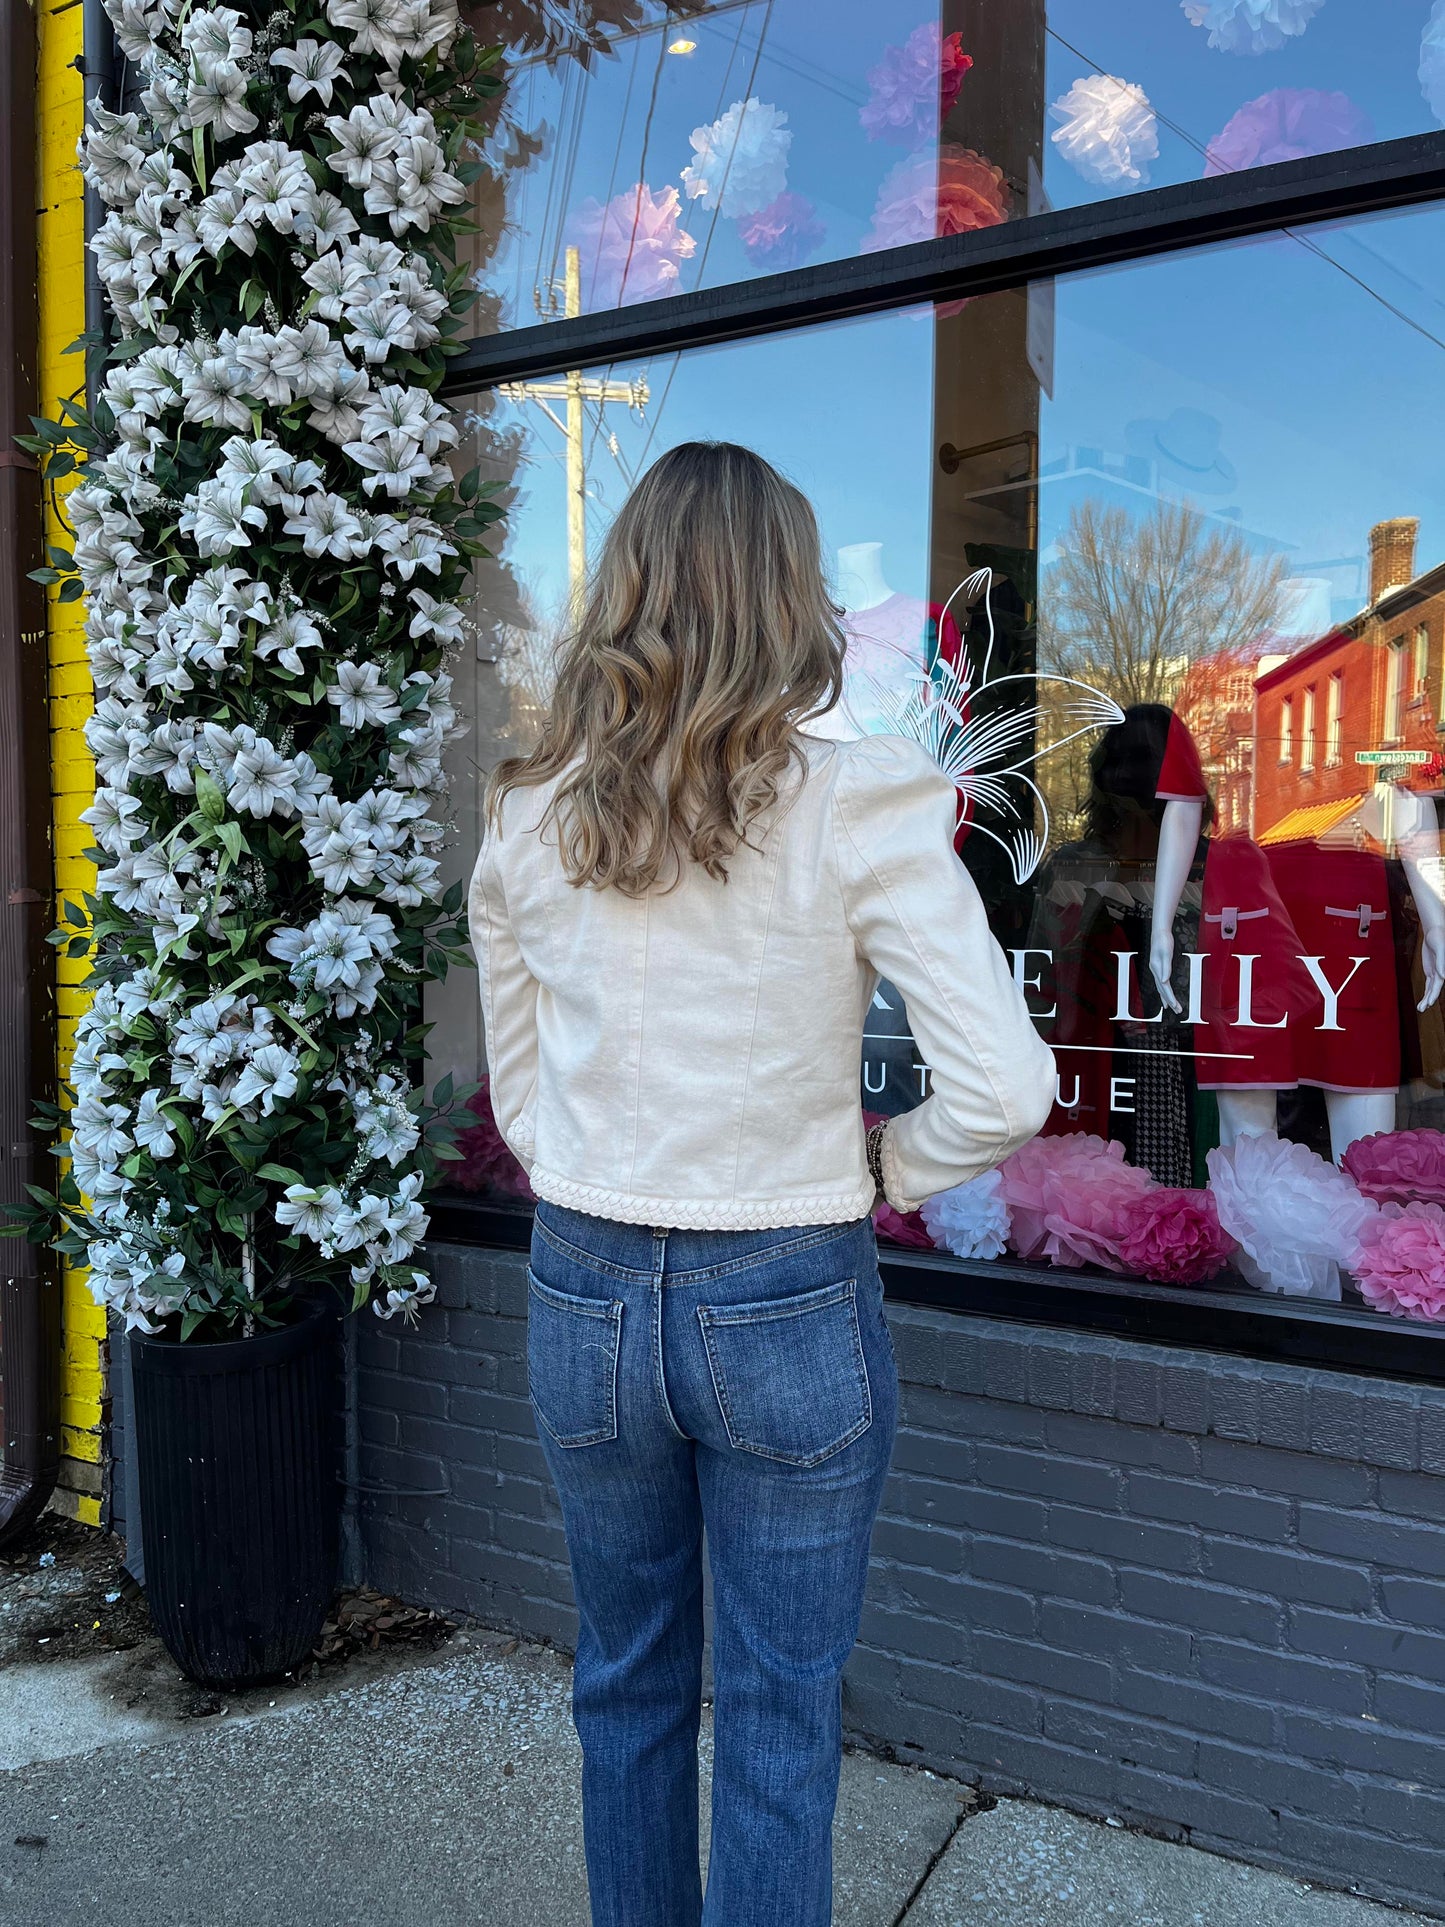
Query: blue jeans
[[741, 1381]]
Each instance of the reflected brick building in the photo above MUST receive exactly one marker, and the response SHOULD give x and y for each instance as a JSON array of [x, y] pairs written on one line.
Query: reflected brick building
[[1370, 687], [1216, 702]]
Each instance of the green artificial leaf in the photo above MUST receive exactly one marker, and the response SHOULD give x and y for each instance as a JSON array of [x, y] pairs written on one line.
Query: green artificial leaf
[[286, 1018], [233, 839], [280, 1174], [210, 796], [184, 276], [248, 973]]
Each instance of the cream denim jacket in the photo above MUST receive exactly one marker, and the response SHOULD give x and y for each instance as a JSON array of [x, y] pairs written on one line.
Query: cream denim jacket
[[691, 1059]]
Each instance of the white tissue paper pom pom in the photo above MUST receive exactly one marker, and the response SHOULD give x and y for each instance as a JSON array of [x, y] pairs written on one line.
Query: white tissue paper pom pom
[[741, 160], [972, 1220], [1432, 60], [1109, 133], [1251, 26], [1297, 1219]]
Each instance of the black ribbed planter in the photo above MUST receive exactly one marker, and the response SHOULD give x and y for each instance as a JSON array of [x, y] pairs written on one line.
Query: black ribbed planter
[[239, 1499]]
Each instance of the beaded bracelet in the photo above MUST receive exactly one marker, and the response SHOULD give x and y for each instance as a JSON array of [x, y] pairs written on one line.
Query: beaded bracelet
[[874, 1143]]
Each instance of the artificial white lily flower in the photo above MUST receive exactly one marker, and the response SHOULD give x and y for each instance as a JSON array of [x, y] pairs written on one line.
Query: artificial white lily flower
[[315, 67]]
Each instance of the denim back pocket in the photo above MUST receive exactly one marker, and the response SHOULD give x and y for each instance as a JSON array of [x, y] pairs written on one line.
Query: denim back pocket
[[789, 1373], [572, 1346]]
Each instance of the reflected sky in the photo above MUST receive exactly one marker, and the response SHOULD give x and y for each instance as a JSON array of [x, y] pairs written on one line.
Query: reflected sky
[[1286, 385], [1026, 103]]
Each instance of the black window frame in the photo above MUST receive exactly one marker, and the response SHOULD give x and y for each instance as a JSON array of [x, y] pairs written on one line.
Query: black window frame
[[1379, 178]]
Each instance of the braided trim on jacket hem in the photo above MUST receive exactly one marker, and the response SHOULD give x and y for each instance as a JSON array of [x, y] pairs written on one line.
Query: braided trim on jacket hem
[[703, 1214]]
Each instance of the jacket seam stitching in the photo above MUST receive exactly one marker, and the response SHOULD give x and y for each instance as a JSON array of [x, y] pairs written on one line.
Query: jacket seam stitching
[[745, 1071], [638, 1021]]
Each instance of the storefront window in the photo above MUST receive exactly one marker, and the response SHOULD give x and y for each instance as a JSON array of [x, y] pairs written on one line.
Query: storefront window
[[644, 150], [1131, 525]]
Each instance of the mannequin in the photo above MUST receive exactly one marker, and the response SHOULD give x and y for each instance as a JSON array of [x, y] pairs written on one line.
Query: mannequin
[[890, 640], [1092, 911], [1396, 819], [1405, 821], [861, 581], [1242, 1113]]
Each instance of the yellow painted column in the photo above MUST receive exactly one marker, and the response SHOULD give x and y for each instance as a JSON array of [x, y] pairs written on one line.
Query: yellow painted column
[[61, 236]]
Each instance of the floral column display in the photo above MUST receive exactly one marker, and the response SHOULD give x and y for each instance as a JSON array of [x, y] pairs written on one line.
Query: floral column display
[[272, 546]]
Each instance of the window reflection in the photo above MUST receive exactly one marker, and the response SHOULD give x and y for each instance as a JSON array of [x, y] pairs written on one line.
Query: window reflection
[[683, 146], [1154, 570]]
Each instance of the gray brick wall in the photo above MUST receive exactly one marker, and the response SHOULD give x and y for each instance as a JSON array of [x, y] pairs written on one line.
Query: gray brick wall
[[1200, 1593]]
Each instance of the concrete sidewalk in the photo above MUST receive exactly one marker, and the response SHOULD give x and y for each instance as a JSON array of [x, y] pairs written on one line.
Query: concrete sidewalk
[[445, 1794]]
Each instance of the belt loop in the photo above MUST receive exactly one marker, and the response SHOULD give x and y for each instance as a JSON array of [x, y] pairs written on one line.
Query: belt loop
[[659, 1251]]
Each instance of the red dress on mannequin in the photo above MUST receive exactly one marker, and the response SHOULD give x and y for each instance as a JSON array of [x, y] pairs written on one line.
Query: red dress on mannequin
[[1339, 901], [1257, 1001]]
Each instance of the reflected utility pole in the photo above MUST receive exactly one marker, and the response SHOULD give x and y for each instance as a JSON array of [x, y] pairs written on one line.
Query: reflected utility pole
[[576, 390]]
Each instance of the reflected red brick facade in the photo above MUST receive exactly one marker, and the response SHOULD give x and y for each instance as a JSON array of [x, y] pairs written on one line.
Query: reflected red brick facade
[[1370, 687]]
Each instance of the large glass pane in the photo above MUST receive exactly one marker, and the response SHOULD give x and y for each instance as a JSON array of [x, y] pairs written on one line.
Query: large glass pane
[[655, 149], [1171, 540]]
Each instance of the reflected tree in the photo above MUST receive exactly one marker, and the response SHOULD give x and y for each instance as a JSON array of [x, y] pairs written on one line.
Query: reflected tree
[[1133, 600], [575, 28]]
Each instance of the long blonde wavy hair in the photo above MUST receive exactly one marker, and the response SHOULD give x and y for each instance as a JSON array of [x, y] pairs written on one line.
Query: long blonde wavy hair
[[706, 638]]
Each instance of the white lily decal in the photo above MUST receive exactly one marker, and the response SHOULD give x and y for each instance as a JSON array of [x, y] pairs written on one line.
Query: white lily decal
[[985, 748]]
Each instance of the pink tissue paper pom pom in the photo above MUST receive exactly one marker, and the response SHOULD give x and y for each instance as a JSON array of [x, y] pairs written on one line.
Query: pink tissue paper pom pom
[[1026, 1172], [1086, 1212], [486, 1163], [1287, 125], [630, 249], [927, 195], [783, 234], [897, 1227], [914, 86], [1174, 1236], [901, 1228], [1399, 1167], [1400, 1265]]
